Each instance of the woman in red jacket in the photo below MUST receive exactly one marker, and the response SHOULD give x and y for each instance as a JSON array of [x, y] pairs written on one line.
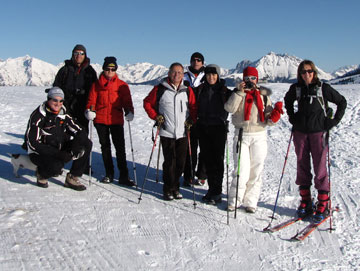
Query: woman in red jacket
[[109, 98]]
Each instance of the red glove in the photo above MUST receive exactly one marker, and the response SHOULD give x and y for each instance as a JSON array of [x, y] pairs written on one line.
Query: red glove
[[277, 112], [279, 106]]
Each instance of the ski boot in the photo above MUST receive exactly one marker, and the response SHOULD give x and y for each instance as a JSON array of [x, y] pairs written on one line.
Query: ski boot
[[322, 208], [306, 207]]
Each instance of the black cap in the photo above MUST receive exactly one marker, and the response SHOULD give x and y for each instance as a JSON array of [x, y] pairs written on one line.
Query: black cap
[[109, 61], [197, 55], [79, 47]]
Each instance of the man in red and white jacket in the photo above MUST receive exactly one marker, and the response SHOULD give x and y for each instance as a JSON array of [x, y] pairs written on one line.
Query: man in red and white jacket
[[173, 106]]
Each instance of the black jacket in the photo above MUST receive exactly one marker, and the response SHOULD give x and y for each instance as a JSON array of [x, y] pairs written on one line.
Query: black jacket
[[310, 116], [210, 101], [48, 133], [76, 83]]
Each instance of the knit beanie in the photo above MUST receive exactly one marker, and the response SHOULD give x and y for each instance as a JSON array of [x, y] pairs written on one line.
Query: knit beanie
[[79, 47], [55, 92], [212, 68], [251, 71], [197, 55], [109, 61]]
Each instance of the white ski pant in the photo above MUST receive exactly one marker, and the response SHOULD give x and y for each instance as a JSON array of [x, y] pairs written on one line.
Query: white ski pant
[[252, 158]]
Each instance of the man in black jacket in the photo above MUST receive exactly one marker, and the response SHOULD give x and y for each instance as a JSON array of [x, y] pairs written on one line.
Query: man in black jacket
[[53, 138], [75, 79]]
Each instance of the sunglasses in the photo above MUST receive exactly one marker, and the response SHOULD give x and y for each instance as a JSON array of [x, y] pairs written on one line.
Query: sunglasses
[[306, 71], [248, 78], [57, 101], [79, 53], [197, 60], [110, 69]]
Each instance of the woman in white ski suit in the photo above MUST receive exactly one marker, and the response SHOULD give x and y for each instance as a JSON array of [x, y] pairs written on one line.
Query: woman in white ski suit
[[249, 113]]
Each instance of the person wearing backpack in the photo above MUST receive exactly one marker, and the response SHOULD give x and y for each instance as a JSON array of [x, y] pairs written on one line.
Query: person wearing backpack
[[252, 112], [311, 124], [172, 105]]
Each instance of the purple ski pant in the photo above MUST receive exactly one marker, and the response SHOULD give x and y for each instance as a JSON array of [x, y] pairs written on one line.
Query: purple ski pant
[[314, 144]]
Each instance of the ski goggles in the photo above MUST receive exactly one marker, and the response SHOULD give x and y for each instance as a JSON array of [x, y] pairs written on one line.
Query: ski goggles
[[248, 78], [110, 69], [306, 71], [79, 53]]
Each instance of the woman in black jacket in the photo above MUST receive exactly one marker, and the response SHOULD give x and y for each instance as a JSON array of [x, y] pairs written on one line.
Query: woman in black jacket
[[311, 124], [212, 127]]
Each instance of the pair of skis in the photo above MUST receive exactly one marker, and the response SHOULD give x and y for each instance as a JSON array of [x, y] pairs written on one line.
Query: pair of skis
[[302, 234]]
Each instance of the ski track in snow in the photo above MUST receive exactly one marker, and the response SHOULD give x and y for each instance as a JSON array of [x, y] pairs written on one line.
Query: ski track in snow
[[105, 228]]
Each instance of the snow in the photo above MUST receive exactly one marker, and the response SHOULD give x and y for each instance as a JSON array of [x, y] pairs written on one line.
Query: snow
[[104, 227]]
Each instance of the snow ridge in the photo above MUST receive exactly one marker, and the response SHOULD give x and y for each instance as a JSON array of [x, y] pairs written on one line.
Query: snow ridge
[[30, 71]]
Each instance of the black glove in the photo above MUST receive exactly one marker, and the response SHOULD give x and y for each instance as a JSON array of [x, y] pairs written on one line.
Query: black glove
[[330, 123], [293, 119], [64, 156]]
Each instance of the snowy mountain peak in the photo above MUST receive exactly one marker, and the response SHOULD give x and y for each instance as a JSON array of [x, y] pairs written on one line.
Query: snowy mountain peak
[[272, 67], [26, 71]]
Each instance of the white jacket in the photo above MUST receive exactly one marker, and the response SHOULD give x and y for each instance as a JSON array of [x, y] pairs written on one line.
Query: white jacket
[[236, 105], [194, 81]]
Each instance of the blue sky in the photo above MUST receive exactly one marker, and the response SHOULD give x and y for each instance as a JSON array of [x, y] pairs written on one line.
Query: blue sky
[[162, 32]]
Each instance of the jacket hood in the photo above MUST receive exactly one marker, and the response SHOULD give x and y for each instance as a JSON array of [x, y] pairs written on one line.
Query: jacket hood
[[265, 91]]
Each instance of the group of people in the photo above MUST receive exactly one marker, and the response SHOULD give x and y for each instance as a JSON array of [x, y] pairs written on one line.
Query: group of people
[[58, 129], [190, 108]]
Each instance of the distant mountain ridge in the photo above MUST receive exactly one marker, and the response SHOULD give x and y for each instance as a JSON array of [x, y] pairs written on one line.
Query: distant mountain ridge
[[30, 71]]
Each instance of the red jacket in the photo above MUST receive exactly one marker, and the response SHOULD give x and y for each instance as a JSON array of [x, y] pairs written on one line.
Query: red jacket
[[176, 105], [109, 99]]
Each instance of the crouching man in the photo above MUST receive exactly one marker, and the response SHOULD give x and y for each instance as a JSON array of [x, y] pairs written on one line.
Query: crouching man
[[53, 138]]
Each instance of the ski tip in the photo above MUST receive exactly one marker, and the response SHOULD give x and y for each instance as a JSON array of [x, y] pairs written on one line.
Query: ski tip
[[267, 229], [294, 239]]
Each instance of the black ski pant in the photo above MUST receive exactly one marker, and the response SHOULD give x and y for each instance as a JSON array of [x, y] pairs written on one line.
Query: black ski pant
[[174, 151], [212, 146], [194, 143], [117, 136], [49, 166]]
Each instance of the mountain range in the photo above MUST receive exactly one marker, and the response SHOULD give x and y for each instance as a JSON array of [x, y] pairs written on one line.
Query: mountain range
[[30, 71]]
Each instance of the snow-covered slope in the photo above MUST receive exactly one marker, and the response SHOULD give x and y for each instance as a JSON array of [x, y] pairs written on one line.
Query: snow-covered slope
[[104, 227]]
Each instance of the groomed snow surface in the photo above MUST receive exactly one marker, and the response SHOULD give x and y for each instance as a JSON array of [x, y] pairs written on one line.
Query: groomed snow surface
[[104, 227]]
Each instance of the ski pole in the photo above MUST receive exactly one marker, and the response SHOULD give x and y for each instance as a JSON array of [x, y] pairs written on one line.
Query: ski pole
[[90, 135], [147, 169], [238, 167], [133, 158], [227, 177], [282, 175], [330, 207], [191, 167], [157, 164]]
